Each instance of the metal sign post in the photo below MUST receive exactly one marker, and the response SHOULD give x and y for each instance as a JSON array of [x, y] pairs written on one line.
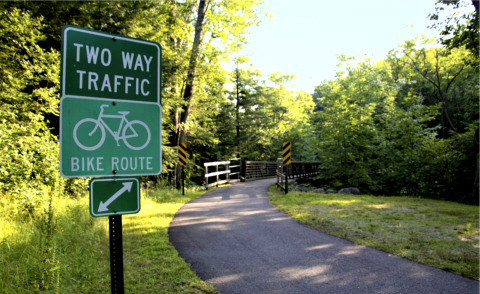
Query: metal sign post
[[114, 197], [287, 159], [116, 254]]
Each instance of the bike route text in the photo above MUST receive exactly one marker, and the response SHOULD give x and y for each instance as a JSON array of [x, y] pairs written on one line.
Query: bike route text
[[115, 163]]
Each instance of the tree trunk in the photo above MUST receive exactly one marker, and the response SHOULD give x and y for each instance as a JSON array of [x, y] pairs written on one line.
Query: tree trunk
[[190, 82], [476, 184]]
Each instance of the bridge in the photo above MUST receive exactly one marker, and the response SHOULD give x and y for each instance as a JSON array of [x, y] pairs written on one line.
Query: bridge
[[227, 172]]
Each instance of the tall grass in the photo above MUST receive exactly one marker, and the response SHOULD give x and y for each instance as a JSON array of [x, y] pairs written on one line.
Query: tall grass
[[77, 245], [75, 258]]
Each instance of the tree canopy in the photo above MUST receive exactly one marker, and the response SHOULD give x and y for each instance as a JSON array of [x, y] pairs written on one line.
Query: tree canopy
[[404, 125]]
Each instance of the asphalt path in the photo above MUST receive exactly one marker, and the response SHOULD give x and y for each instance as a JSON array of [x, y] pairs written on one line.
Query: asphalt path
[[236, 241]]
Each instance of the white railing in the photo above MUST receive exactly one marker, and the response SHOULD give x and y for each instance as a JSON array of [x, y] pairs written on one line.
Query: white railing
[[229, 170], [235, 170], [217, 173], [280, 176]]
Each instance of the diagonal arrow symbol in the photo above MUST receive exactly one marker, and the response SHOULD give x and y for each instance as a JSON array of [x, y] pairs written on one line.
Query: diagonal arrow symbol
[[103, 206]]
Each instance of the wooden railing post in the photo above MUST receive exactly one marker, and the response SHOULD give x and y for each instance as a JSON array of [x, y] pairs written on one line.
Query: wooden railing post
[[228, 175], [206, 178]]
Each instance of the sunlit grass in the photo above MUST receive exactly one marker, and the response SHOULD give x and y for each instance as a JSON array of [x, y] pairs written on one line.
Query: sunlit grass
[[151, 263], [436, 233], [80, 247]]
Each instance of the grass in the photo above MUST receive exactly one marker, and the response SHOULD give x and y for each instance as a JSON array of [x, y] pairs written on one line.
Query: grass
[[437, 233], [78, 254]]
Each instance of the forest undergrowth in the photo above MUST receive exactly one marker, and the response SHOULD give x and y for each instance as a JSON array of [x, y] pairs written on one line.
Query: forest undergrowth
[[54, 245]]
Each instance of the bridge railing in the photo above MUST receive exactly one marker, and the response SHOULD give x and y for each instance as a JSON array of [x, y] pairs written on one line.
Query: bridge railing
[[217, 173], [281, 178], [296, 170], [257, 170], [301, 169], [235, 170], [229, 172]]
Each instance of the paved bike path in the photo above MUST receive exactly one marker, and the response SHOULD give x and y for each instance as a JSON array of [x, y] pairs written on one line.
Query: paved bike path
[[235, 240]]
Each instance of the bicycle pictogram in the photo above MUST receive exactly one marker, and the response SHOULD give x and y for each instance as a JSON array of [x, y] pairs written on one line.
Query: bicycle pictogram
[[126, 128]]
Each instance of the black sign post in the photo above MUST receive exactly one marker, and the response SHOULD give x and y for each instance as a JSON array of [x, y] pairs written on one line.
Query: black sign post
[[116, 254]]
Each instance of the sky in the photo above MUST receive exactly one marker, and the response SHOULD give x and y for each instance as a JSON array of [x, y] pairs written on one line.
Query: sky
[[304, 36]]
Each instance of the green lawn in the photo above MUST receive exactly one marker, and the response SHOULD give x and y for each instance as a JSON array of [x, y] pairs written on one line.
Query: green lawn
[[437, 233], [78, 257]]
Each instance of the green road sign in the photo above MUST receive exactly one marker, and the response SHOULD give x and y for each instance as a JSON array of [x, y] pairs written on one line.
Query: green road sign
[[114, 196], [101, 65], [101, 137], [110, 105]]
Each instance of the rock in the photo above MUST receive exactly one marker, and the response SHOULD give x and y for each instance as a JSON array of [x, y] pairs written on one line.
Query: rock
[[330, 191], [351, 190], [319, 190], [302, 189]]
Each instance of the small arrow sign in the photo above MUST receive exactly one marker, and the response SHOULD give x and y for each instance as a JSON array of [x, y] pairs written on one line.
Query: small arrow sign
[[103, 206], [114, 196]]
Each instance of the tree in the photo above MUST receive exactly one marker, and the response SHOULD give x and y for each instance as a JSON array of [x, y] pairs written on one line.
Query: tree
[[463, 30], [440, 77], [29, 81], [117, 17], [254, 119], [459, 30], [195, 40], [378, 132], [227, 21]]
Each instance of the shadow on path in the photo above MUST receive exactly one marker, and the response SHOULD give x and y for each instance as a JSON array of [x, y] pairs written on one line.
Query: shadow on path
[[235, 240]]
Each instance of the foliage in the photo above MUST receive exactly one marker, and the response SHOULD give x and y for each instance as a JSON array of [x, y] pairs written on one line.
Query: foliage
[[255, 119], [378, 125], [405, 125], [28, 87], [278, 114], [432, 232], [29, 82], [172, 24], [458, 30], [440, 77], [118, 17]]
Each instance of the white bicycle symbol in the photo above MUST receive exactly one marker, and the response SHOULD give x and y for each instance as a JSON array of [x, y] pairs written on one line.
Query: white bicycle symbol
[[101, 125]]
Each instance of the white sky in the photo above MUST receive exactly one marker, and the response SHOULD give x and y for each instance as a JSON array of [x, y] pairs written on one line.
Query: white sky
[[305, 35]]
